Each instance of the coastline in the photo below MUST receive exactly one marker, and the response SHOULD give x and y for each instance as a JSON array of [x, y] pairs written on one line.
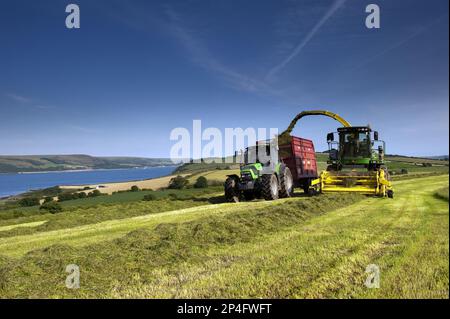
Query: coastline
[[86, 170], [107, 187]]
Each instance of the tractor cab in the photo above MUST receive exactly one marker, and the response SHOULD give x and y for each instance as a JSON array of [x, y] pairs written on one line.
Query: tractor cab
[[264, 153], [259, 159], [357, 146]]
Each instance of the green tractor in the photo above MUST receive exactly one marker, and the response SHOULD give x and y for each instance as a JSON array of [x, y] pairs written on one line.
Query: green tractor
[[262, 175]]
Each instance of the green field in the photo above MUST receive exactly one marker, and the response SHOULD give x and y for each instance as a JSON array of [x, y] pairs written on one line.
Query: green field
[[196, 247]]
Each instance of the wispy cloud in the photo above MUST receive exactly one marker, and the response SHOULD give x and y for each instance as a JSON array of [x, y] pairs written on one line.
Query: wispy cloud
[[82, 129], [200, 55], [419, 31], [29, 102], [337, 4], [18, 98]]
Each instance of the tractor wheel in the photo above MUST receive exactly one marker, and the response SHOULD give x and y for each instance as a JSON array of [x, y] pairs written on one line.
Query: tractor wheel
[[269, 187], [249, 195], [231, 190], [390, 193], [286, 183]]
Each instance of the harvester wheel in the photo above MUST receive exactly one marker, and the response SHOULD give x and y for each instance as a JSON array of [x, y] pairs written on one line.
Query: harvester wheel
[[270, 187], [286, 183], [390, 193], [231, 190]]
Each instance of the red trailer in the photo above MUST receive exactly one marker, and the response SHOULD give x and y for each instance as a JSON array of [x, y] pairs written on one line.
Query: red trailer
[[299, 155]]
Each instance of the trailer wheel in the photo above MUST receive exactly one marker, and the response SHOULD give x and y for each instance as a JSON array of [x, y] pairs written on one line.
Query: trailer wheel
[[270, 187], [231, 190], [286, 183]]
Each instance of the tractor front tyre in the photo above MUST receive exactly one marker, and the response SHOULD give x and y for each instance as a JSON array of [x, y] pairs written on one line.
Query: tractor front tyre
[[286, 183], [231, 190], [270, 189]]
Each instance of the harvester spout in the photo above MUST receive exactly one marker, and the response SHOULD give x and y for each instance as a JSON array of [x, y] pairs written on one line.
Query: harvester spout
[[315, 112]]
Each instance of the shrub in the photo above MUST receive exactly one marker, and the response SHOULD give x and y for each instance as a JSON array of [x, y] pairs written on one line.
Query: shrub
[[149, 197], [29, 201], [82, 195], [178, 182], [404, 171], [48, 199], [94, 193], [201, 182], [134, 188], [67, 196], [51, 207]]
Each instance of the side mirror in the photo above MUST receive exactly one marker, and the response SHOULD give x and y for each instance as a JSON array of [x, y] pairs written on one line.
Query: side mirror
[[330, 137], [375, 136]]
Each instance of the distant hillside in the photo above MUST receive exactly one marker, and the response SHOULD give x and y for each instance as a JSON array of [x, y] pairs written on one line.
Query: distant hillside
[[322, 157], [39, 163]]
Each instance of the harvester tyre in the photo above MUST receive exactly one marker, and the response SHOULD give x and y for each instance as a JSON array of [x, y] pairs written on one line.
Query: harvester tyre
[[270, 189], [286, 183], [231, 190]]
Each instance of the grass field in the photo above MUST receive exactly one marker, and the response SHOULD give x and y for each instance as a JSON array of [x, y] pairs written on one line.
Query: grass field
[[301, 247]]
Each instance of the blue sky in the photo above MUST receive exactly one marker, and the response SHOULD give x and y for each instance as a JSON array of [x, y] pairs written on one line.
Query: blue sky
[[137, 69]]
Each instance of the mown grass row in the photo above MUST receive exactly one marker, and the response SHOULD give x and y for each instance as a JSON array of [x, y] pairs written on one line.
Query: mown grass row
[[79, 216], [442, 193], [134, 257]]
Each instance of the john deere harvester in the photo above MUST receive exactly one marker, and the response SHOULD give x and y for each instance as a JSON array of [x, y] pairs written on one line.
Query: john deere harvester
[[356, 160]]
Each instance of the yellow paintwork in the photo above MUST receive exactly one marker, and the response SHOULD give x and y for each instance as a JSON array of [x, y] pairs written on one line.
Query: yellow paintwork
[[315, 112], [371, 182]]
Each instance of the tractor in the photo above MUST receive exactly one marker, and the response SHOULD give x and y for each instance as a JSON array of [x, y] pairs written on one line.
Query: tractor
[[262, 175]]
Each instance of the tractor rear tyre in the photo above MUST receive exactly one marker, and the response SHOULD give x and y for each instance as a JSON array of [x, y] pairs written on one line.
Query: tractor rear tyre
[[270, 188], [231, 190], [286, 183]]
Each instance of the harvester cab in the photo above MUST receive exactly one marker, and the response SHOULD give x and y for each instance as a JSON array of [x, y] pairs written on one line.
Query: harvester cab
[[357, 146]]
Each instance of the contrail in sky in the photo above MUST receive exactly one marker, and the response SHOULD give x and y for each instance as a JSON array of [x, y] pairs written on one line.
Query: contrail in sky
[[331, 11]]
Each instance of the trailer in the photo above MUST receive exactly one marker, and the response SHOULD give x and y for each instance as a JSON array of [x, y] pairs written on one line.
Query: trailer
[[272, 168]]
